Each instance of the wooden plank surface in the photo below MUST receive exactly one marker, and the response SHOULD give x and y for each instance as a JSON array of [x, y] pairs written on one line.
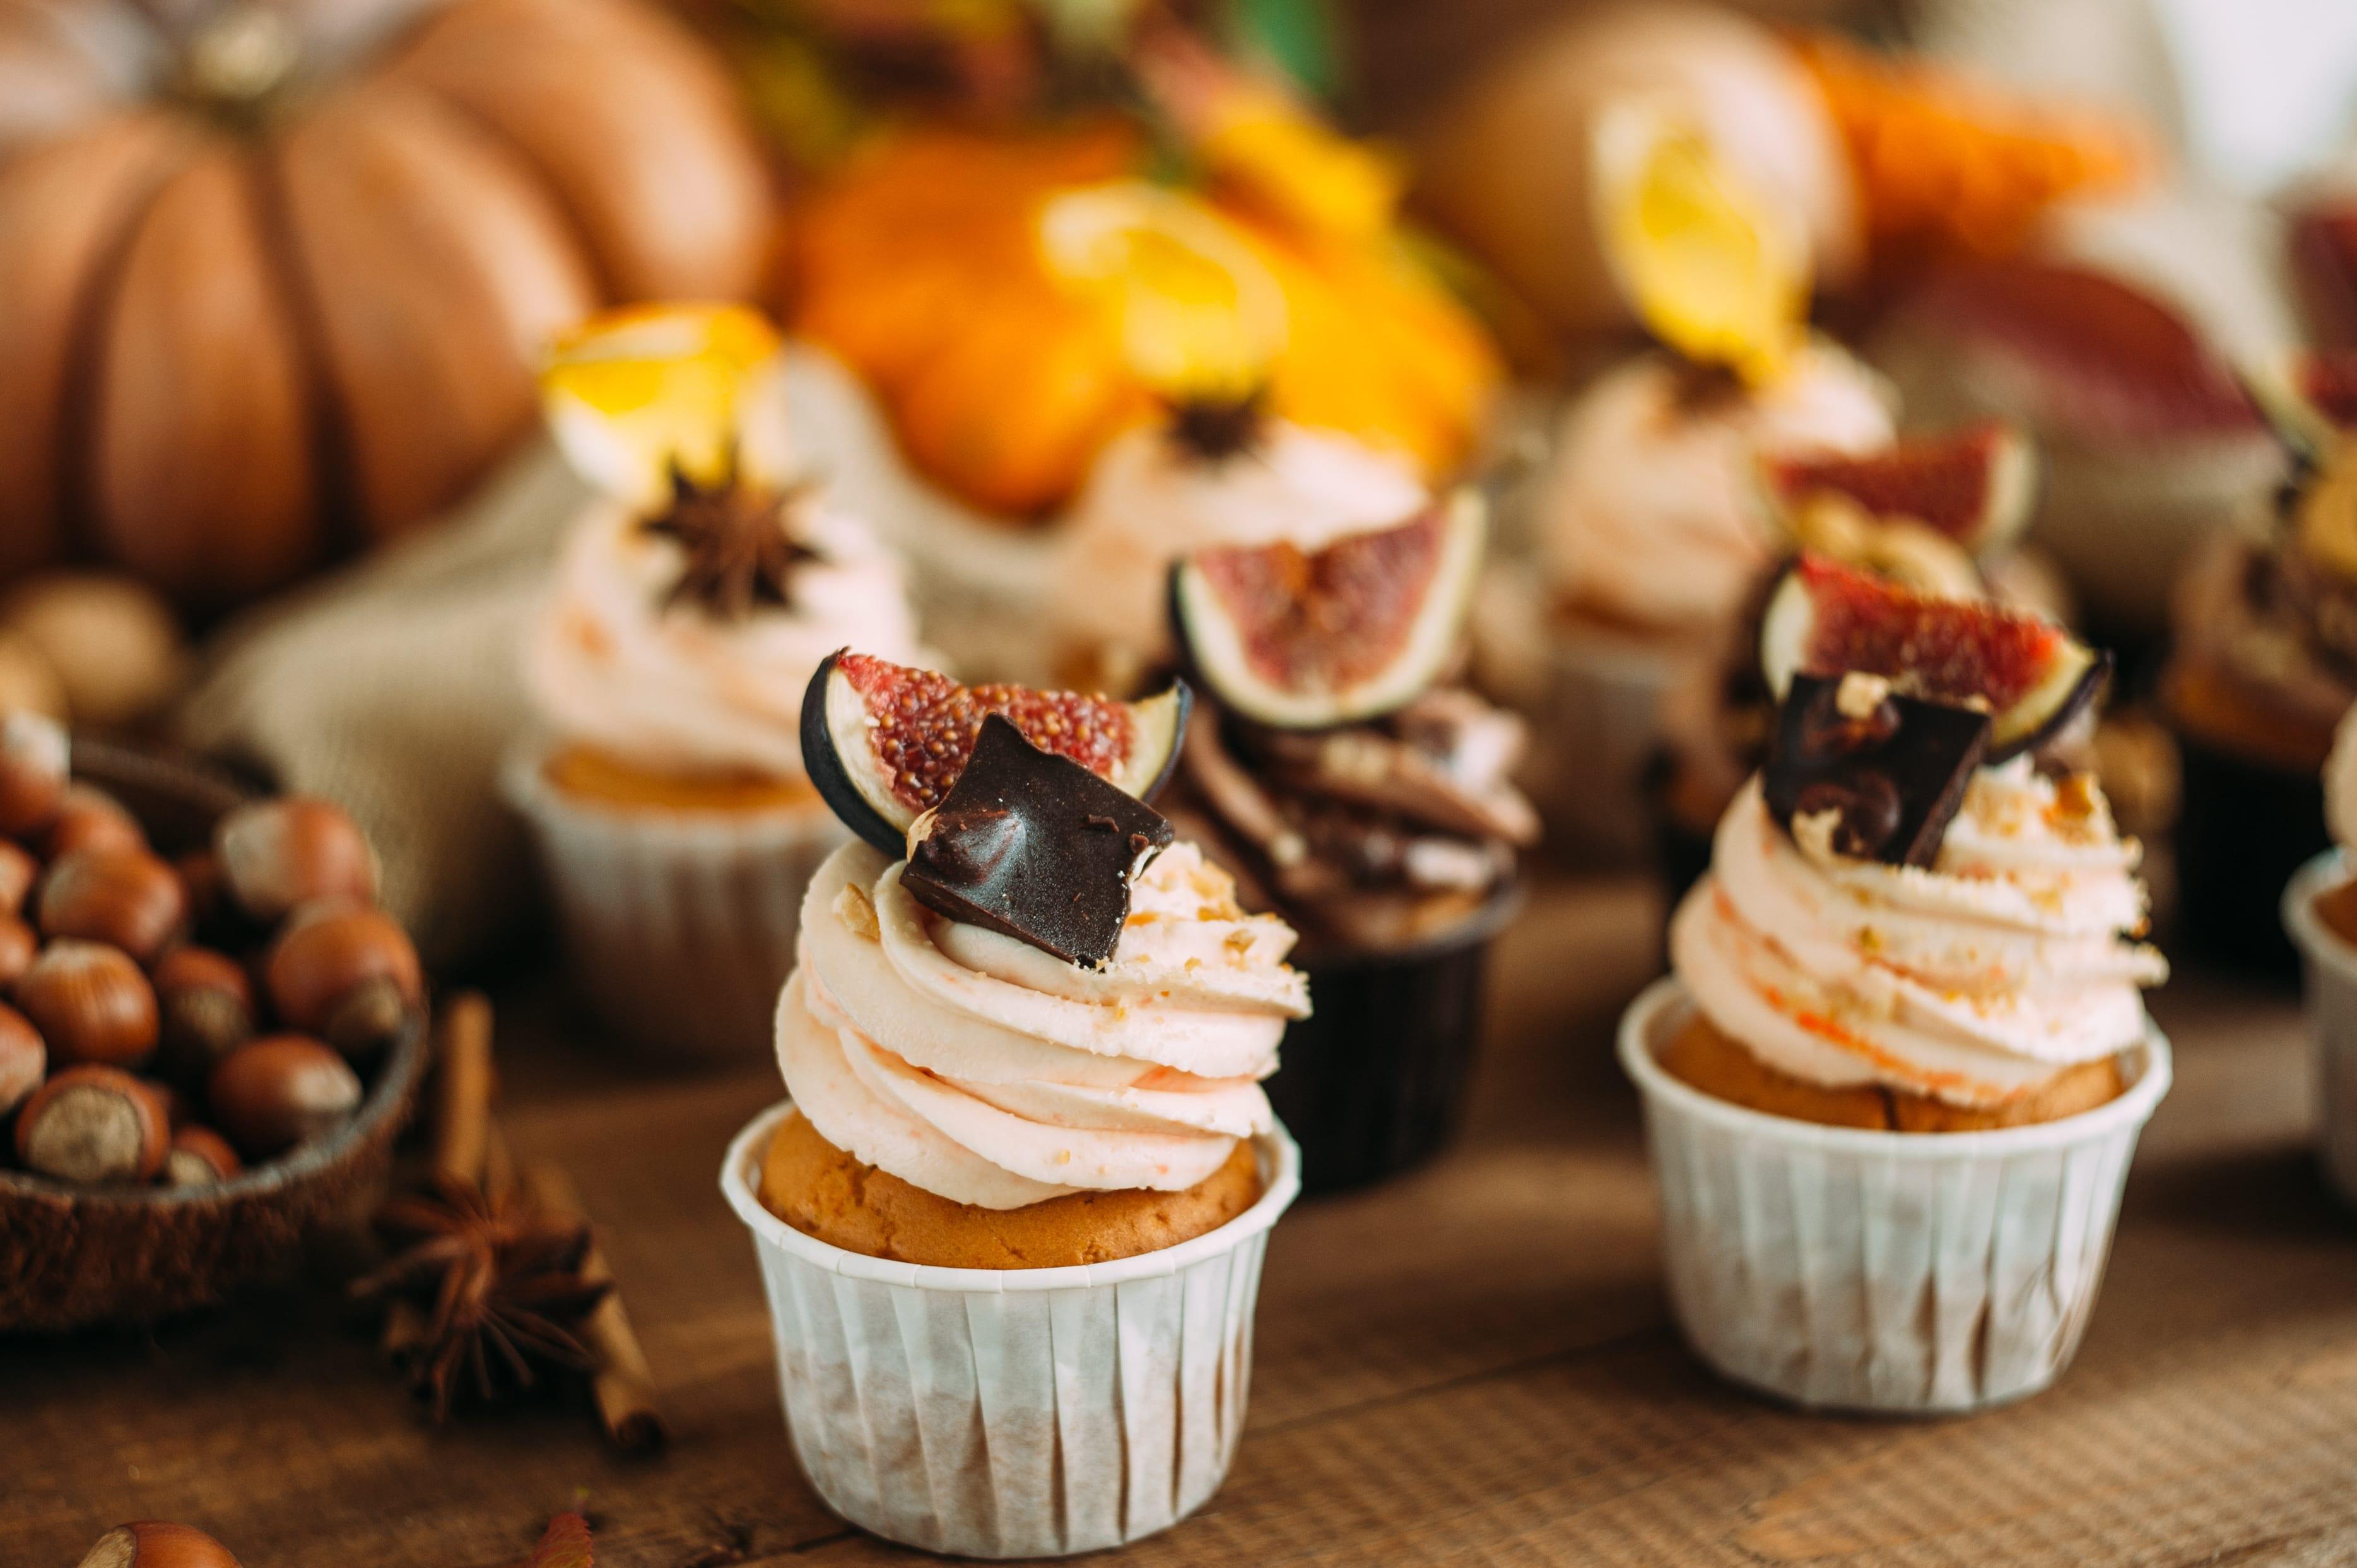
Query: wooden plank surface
[[1472, 1365]]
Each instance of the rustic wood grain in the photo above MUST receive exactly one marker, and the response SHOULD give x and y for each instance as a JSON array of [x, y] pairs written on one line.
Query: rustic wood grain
[[1472, 1365]]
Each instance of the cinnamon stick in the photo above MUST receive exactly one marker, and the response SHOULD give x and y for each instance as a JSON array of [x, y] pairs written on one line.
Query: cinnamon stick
[[623, 1385], [463, 1085]]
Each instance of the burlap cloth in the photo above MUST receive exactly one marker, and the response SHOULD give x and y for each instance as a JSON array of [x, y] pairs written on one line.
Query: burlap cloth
[[393, 689]]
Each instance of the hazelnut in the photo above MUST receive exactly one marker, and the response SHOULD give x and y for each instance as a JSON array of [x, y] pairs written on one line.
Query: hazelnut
[[206, 1003], [18, 945], [18, 870], [153, 1544], [272, 1094], [112, 642], [347, 973], [22, 1059], [198, 1156], [90, 818], [33, 764], [93, 1125], [127, 898], [90, 1003], [279, 853]]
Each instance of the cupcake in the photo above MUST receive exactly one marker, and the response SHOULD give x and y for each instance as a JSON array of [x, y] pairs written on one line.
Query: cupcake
[[692, 599], [1894, 1082], [1026, 1148], [2263, 666], [1018, 303], [1211, 476], [2320, 912], [1358, 791], [1648, 521]]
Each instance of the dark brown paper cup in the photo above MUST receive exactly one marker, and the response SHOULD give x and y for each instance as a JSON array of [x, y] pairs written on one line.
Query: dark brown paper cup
[[1372, 1083]]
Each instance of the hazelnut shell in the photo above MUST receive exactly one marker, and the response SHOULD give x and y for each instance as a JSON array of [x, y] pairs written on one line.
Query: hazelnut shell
[[279, 853], [273, 1093], [90, 818], [127, 898], [18, 872], [93, 1125], [347, 973], [152, 1544], [206, 1003], [90, 1002], [24, 1059], [18, 944], [198, 1156], [33, 767]]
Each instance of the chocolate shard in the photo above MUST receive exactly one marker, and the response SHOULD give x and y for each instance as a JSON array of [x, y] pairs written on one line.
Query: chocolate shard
[[1893, 769], [1036, 846]]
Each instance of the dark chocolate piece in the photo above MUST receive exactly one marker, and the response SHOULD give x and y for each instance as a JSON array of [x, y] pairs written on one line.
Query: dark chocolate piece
[[1895, 773], [1036, 846]]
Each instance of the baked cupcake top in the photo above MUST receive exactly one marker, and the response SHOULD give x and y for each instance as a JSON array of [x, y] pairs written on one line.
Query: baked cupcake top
[[1901, 897], [972, 1065], [1155, 495], [1651, 513], [1971, 980], [1021, 986], [693, 598]]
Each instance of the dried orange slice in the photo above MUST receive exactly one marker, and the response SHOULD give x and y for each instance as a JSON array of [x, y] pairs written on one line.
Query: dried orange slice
[[630, 393]]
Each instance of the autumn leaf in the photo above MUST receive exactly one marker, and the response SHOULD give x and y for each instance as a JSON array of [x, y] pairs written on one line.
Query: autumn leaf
[[567, 1544]]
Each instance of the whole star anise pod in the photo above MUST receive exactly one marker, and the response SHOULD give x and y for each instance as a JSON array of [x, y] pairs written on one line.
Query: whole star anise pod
[[500, 1282], [742, 547]]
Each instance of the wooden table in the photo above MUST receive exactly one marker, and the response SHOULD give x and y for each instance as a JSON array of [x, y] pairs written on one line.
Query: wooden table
[[1472, 1365]]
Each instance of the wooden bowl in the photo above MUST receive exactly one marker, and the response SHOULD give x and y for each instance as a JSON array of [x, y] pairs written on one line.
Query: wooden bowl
[[75, 1256]]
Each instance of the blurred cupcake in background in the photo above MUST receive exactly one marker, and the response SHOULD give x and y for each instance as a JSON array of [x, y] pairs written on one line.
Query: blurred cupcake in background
[[2319, 913], [693, 599], [2262, 667], [1939, 514], [1648, 521], [1021, 304], [1354, 787]]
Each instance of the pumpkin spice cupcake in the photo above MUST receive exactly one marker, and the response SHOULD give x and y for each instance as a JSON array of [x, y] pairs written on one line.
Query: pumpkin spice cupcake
[[668, 790], [1360, 793], [1024, 1040], [1067, 291], [1903, 979], [1648, 518], [2263, 665]]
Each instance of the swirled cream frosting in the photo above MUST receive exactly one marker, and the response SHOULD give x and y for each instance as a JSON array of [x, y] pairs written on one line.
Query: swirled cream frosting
[[1651, 511], [1151, 500], [1972, 980], [987, 1072], [612, 665]]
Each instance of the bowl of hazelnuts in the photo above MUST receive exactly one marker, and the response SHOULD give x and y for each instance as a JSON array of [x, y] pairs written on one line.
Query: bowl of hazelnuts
[[209, 1035]]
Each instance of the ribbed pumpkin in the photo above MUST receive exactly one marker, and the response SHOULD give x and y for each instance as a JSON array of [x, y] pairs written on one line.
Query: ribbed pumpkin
[[276, 277], [921, 265]]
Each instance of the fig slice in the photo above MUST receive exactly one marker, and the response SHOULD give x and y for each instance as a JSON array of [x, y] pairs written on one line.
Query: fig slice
[[2029, 675], [1976, 486], [884, 742], [1296, 639]]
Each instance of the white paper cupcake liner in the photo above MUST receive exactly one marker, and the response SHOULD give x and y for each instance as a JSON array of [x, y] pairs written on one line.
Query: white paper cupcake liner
[[678, 926], [2329, 964], [1595, 704], [1892, 1272], [1024, 1413]]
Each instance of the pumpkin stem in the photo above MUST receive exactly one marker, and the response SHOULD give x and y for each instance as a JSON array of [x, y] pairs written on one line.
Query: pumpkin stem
[[237, 60]]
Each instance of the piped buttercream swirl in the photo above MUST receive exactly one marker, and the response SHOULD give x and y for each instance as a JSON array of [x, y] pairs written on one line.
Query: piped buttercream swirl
[[1972, 980], [671, 689], [985, 1071]]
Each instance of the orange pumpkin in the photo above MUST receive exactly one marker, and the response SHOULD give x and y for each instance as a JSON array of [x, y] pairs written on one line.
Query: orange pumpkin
[[920, 265], [277, 278]]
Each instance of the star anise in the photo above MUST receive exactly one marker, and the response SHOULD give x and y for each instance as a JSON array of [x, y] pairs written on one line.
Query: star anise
[[1216, 429], [500, 1282], [742, 547]]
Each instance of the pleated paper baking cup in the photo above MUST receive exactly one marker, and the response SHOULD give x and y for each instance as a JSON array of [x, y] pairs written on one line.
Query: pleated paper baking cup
[[1012, 1413], [1889, 1273], [2330, 966], [678, 926]]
